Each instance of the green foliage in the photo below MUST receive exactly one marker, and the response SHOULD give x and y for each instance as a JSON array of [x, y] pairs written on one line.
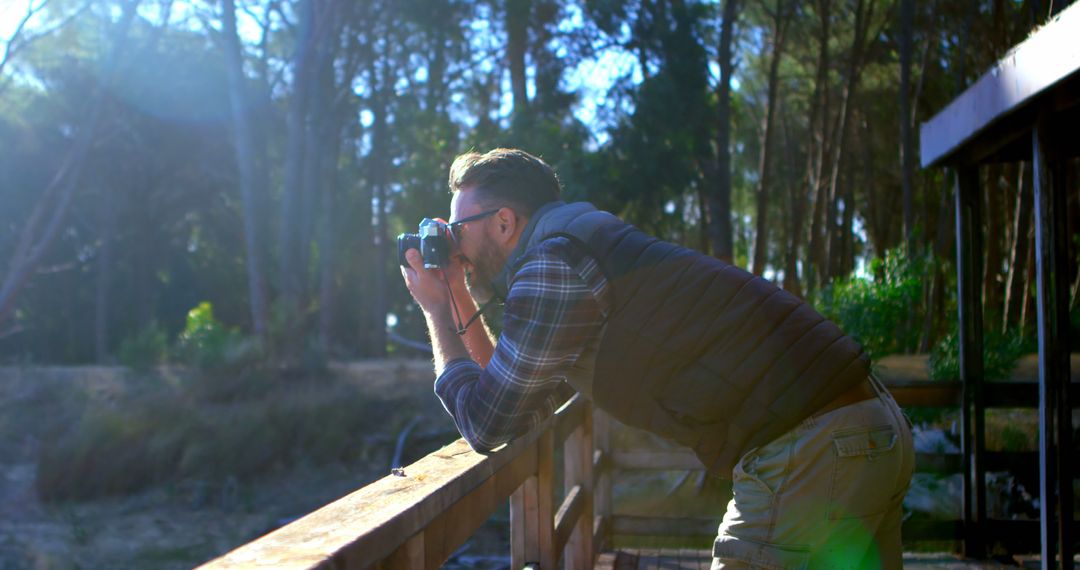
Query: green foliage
[[878, 310], [206, 343], [1000, 353], [147, 348]]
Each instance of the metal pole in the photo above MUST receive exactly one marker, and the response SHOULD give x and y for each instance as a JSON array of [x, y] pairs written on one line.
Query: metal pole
[[969, 250], [1055, 419]]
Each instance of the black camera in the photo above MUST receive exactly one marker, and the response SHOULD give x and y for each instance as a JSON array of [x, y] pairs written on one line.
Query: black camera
[[432, 242]]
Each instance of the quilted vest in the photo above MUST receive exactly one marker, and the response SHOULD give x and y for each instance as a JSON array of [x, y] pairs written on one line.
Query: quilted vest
[[694, 349]]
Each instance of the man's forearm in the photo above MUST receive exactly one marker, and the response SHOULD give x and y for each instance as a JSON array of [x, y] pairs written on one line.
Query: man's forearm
[[445, 342], [476, 338]]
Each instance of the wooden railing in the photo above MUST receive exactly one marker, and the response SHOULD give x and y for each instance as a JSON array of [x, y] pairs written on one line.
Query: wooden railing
[[421, 516]]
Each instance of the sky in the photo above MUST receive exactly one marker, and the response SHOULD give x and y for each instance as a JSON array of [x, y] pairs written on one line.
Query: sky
[[591, 80]]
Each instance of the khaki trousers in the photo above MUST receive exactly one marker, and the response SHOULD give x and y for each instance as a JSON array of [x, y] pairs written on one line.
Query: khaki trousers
[[827, 494]]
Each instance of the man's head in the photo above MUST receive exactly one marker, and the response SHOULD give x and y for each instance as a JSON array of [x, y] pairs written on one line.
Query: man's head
[[496, 192]]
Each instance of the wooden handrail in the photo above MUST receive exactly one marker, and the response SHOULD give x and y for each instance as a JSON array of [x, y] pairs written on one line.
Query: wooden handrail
[[420, 519]]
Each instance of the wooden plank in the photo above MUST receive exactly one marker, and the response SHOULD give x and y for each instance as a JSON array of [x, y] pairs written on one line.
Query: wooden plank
[[434, 537], [1014, 535], [949, 394], [510, 478], [665, 526], [369, 524], [599, 533], [602, 488], [578, 460], [545, 496], [1022, 464], [926, 394], [1044, 59], [460, 521], [573, 463], [409, 556], [1055, 430], [567, 517], [584, 534], [919, 530], [667, 460], [517, 528], [529, 523], [571, 415]]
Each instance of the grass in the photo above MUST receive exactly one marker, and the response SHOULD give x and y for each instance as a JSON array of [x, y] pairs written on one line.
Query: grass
[[187, 432]]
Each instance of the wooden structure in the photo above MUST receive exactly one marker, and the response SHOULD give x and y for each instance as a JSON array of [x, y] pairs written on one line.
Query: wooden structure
[[1026, 108], [419, 518]]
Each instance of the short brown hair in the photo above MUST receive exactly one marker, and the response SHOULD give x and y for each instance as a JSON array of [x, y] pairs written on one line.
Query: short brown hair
[[506, 177]]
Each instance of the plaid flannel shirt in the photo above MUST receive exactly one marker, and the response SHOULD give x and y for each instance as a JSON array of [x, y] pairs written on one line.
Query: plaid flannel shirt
[[555, 308]]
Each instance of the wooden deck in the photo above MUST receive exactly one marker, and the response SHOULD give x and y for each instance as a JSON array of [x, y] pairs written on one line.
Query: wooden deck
[[690, 559]]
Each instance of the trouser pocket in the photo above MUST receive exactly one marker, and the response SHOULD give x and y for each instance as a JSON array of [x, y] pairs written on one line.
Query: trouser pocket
[[867, 464]]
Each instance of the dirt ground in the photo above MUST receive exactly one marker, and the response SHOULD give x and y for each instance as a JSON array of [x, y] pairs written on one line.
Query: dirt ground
[[183, 523]]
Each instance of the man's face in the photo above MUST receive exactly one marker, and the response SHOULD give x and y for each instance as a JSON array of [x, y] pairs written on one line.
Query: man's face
[[476, 249]]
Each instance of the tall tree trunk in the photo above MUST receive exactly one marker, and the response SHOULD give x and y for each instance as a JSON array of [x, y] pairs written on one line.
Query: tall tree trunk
[[517, 41], [1021, 234], [244, 145], [104, 277], [815, 266], [761, 240], [863, 12], [291, 274], [797, 205], [907, 144], [379, 179], [327, 243], [943, 244], [319, 131], [995, 218], [437, 68], [1029, 282], [41, 228], [719, 199]]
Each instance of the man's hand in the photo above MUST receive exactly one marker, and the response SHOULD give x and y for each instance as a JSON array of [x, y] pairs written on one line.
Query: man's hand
[[428, 286]]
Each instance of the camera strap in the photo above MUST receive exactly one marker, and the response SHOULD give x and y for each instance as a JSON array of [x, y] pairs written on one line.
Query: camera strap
[[457, 314]]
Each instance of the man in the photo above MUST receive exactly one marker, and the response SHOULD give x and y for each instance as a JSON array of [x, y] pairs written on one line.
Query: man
[[758, 384]]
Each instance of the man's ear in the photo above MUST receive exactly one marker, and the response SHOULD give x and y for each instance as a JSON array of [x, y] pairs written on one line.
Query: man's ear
[[506, 224]]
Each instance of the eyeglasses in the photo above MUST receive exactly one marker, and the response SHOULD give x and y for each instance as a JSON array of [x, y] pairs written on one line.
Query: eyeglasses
[[455, 228]]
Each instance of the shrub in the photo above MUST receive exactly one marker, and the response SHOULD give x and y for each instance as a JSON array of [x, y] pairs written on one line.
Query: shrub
[[878, 310], [1000, 353], [204, 341], [171, 437]]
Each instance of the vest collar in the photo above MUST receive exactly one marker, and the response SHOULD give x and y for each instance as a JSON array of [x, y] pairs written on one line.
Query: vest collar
[[501, 284]]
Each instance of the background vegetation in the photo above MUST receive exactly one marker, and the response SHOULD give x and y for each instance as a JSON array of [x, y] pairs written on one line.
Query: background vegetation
[[260, 155]]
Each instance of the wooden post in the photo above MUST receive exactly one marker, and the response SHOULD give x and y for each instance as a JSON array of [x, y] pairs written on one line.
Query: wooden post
[[524, 521], [545, 491], [585, 525], [409, 556], [602, 443], [1055, 414], [577, 462], [969, 253]]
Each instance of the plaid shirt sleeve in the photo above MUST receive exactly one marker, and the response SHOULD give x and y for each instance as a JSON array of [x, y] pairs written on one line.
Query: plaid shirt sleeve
[[552, 313]]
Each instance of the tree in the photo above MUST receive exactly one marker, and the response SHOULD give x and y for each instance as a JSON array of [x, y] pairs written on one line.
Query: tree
[[45, 221], [244, 142], [781, 18]]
